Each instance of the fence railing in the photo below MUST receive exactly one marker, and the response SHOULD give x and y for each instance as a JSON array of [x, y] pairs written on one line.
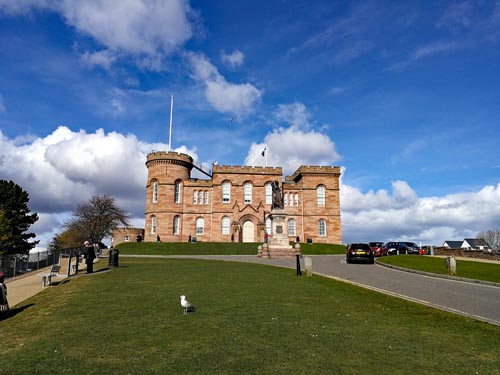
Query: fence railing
[[18, 264]]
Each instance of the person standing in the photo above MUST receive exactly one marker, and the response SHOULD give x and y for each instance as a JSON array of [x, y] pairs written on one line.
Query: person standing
[[4, 305], [89, 256]]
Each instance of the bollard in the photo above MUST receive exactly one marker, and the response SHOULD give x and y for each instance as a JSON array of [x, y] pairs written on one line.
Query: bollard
[[308, 265], [451, 265]]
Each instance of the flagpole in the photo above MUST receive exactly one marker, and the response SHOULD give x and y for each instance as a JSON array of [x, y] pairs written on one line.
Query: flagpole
[[171, 113]]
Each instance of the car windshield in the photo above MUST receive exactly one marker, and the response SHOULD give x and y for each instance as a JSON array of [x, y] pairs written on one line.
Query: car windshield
[[361, 246], [376, 244]]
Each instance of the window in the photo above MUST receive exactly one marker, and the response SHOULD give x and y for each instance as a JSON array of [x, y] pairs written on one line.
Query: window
[[321, 227], [177, 192], [177, 226], [200, 197], [195, 197], [200, 226], [296, 199], [155, 191], [153, 224], [226, 192], [225, 225], [320, 191], [269, 226], [286, 200], [206, 197], [291, 227], [247, 190], [269, 193]]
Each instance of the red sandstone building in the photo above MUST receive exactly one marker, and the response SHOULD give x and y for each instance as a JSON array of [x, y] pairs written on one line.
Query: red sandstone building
[[233, 203]]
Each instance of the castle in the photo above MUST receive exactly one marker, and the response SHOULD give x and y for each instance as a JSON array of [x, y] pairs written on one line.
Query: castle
[[233, 203]]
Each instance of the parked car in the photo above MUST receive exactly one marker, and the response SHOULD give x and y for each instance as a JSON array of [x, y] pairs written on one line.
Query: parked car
[[412, 248], [395, 248], [359, 252], [378, 249]]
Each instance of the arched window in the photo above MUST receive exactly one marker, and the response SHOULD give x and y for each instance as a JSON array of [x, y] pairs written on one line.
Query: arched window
[[206, 197], [226, 192], [285, 200], [247, 191], [296, 199], [200, 226], [269, 226], [320, 191], [321, 227], [195, 197], [177, 224], [269, 193], [291, 227], [177, 192], [226, 222], [155, 191], [153, 224]]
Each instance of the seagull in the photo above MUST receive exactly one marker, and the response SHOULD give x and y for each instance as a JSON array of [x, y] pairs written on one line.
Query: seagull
[[187, 305]]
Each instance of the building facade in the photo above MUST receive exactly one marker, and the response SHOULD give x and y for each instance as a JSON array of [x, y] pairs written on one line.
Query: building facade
[[233, 203]]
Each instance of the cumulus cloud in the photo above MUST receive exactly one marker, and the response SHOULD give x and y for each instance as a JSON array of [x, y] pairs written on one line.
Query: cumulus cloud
[[104, 59], [234, 59], [143, 29], [295, 144], [67, 167], [402, 215], [225, 97]]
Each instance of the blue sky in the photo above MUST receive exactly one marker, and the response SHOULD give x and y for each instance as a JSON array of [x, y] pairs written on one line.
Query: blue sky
[[403, 95]]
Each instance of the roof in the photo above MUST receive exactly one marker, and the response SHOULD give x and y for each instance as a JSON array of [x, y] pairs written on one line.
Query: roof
[[476, 242], [454, 244]]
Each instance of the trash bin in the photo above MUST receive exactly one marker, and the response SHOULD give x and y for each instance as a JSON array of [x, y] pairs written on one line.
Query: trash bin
[[113, 258]]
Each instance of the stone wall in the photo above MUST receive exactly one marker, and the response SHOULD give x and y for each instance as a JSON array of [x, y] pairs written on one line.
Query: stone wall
[[477, 254]]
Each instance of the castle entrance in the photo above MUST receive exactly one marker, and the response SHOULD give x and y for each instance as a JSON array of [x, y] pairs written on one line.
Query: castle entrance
[[248, 231]]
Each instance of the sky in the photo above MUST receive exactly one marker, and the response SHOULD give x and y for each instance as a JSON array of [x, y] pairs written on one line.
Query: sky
[[403, 96]]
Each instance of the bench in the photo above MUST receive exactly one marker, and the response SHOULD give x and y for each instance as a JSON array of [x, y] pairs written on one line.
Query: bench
[[54, 271]]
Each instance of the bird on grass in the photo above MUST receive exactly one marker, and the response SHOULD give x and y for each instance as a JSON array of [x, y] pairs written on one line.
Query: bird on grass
[[188, 307]]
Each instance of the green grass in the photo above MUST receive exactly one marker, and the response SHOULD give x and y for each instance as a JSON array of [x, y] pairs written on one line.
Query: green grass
[[216, 248], [465, 269], [250, 319]]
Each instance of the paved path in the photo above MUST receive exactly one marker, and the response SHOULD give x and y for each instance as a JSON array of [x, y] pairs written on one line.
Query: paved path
[[470, 299]]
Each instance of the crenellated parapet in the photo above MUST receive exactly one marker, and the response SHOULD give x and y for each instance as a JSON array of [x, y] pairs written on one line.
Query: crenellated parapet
[[229, 169]]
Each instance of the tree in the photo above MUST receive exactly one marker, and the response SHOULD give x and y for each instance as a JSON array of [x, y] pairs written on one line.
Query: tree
[[15, 219], [492, 237], [94, 220]]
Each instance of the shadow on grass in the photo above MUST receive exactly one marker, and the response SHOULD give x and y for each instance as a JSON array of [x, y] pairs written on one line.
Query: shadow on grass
[[13, 312]]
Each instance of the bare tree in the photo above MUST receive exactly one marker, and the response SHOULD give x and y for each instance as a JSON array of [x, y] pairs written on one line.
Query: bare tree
[[492, 237], [94, 220]]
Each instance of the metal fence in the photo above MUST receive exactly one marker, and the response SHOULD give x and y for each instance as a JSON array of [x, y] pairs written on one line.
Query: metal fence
[[18, 264]]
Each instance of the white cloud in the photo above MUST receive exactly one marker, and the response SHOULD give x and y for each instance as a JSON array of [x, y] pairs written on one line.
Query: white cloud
[[144, 29], [234, 59], [66, 167], [225, 97], [294, 145], [104, 59], [402, 215]]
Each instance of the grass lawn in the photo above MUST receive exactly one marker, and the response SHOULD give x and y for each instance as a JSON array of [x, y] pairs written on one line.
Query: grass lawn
[[465, 268], [216, 248], [250, 319]]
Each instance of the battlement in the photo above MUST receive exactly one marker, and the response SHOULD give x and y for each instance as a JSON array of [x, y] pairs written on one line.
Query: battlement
[[155, 157], [314, 170], [227, 169]]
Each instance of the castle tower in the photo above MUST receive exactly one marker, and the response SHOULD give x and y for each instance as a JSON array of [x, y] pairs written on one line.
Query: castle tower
[[167, 174]]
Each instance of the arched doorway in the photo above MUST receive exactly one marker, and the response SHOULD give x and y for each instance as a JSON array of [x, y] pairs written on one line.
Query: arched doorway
[[248, 231]]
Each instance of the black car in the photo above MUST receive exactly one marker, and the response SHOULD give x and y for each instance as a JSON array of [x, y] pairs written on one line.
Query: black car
[[396, 248], [359, 252]]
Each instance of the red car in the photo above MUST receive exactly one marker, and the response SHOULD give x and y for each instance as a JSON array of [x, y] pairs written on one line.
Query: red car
[[378, 249]]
